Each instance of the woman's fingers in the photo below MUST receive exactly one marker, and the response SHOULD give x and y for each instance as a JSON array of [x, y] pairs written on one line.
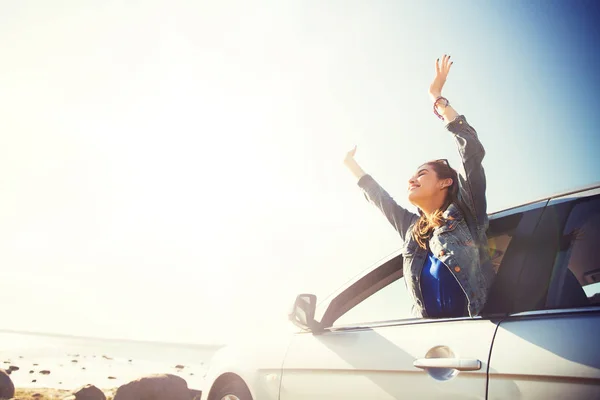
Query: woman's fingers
[[352, 152], [448, 64], [349, 159], [444, 66]]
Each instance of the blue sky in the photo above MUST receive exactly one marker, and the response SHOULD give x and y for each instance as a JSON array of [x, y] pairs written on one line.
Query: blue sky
[[173, 170]]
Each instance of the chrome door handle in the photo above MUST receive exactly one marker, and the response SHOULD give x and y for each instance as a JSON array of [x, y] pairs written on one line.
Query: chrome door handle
[[461, 364]]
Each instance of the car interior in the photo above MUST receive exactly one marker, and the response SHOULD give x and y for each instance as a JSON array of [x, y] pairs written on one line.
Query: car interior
[[581, 250]]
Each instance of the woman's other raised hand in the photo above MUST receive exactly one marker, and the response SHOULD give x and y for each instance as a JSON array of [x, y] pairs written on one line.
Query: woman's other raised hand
[[352, 165], [441, 73]]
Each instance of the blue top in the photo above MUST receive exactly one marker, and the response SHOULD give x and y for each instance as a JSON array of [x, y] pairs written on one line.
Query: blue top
[[442, 294]]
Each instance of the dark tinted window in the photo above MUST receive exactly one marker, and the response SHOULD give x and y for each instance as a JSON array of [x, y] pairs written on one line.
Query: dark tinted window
[[576, 275], [510, 243]]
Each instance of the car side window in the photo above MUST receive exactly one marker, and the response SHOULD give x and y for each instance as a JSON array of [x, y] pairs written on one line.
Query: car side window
[[390, 303], [576, 275]]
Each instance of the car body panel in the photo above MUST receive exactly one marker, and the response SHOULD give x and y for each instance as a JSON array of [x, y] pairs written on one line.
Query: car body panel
[[547, 356], [257, 363], [377, 363]]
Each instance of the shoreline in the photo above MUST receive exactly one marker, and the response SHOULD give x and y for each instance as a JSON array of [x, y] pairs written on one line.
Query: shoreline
[[115, 340]]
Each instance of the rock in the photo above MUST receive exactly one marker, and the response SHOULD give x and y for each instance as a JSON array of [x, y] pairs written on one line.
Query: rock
[[111, 377], [107, 357], [154, 387], [36, 395], [89, 392], [74, 361], [45, 372], [179, 366], [35, 365], [34, 380], [7, 388], [13, 368], [31, 371]]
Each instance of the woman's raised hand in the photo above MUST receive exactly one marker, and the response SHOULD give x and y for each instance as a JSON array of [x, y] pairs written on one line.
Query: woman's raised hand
[[352, 165], [441, 73], [350, 155]]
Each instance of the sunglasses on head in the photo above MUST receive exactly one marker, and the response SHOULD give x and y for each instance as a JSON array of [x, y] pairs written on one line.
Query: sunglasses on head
[[442, 161]]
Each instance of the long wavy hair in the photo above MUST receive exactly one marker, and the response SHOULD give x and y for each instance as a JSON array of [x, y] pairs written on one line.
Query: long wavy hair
[[423, 228]]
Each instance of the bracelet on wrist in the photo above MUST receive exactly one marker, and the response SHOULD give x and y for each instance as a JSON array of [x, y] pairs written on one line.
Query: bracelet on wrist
[[435, 103]]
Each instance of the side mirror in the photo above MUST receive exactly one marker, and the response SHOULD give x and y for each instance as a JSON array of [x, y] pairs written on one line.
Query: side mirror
[[303, 312]]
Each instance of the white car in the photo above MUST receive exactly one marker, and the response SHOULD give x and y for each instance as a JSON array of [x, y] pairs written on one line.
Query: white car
[[538, 337]]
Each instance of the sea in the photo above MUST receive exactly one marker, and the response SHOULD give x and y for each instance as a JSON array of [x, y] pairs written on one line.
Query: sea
[[68, 362]]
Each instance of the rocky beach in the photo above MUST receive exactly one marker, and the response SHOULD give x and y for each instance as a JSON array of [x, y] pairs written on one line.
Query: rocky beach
[[53, 366]]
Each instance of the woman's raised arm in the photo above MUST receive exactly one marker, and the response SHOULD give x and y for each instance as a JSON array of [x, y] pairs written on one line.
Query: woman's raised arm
[[400, 218], [472, 182]]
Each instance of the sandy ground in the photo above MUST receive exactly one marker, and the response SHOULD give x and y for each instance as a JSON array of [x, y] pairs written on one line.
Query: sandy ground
[[54, 394], [70, 372]]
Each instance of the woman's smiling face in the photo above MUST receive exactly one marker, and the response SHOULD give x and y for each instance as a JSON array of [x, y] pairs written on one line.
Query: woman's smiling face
[[423, 184]]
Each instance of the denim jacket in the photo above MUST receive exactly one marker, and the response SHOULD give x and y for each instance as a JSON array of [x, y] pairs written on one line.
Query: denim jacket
[[461, 243]]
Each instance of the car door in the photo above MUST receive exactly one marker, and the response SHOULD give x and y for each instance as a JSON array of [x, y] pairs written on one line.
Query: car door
[[550, 350], [397, 356]]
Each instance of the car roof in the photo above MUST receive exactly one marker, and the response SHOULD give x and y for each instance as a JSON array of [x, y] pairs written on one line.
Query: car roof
[[543, 200]]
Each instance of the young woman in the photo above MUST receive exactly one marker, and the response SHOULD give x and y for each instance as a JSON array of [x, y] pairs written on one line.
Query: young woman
[[447, 268]]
